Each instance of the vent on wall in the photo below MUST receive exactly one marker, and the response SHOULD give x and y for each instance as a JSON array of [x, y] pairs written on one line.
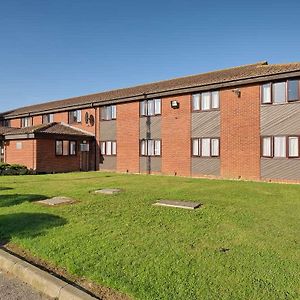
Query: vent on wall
[[89, 119]]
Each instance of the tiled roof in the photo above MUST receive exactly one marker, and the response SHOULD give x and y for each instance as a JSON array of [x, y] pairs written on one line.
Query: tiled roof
[[46, 129], [225, 76]]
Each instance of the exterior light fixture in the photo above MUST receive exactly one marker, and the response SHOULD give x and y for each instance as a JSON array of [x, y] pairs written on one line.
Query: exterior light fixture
[[237, 92], [174, 104]]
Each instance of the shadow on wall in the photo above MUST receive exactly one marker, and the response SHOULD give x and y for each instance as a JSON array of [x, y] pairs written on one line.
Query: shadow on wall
[[15, 199], [27, 225]]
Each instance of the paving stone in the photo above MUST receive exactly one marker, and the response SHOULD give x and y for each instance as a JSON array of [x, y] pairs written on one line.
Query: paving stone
[[56, 201], [178, 204], [108, 191]]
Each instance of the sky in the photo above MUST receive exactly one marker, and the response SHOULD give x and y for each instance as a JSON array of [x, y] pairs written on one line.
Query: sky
[[55, 49]]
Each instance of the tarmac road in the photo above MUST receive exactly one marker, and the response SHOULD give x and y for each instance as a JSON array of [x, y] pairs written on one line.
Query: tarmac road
[[13, 289]]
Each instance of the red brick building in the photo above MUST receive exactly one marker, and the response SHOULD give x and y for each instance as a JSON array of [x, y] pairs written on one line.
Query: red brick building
[[242, 122]]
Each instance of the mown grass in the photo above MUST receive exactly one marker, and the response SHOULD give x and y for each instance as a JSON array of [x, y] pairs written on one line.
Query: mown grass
[[151, 252]]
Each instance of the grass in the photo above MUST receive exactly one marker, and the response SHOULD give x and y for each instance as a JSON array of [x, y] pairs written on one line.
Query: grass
[[150, 252]]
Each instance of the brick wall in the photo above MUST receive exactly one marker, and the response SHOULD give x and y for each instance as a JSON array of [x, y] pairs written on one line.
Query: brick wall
[[15, 122], [128, 121], [176, 136], [240, 133], [24, 156], [47, 161]]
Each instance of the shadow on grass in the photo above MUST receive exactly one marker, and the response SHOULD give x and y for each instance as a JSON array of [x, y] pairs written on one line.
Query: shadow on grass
[[27, 225], [15, 199], [4, 188]]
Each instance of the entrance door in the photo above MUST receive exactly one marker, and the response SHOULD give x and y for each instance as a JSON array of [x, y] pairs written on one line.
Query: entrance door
[[84, 157]]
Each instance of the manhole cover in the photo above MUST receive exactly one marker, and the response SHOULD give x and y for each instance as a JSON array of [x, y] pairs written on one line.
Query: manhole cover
[[56, 201], [108, 191]]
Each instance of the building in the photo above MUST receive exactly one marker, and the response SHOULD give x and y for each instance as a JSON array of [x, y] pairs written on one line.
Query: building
[[242, 122]]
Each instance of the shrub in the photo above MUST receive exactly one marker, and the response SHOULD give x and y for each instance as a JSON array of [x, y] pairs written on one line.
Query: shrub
[[14, 169]]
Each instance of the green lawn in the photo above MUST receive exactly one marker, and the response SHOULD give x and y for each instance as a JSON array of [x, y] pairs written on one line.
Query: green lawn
[[151, 252]]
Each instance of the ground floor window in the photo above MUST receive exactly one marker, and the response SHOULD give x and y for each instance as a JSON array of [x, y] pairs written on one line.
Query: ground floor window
[[280, 146], [65, 148], [206, 147], [108, 148], [150, 147]]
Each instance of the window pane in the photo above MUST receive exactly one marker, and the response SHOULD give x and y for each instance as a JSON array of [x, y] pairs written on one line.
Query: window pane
[[103, 148], [215, 100], [157, 106], [143, 106], [72, 148], [59, 147], [78, 116], [65, 147], [267, 146], [150, 107], [114, 148], [157, 147], [196, 147], [196, 102], [293, 146], [108, 148], [51, 118], [205, 147], [266, 93], [279, 92], [293, 90], [214, 147], [143, 147], [279, 146], [205, 101], [150, 147], [114, 112]]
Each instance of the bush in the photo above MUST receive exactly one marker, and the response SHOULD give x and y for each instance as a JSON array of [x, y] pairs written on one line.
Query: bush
[[14, 169]]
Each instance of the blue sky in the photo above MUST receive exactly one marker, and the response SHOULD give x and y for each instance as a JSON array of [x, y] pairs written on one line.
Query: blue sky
[[54, 49]]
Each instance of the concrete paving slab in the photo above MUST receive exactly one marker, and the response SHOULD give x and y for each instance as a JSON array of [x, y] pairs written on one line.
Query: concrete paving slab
[[69, 292], [179, 204], [57, 201], [108, 191]]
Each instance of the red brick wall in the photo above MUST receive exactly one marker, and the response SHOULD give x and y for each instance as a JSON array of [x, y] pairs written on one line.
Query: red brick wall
[[24, 156], [47, 161], [61, 117], [37, 120], [176, 136], [15, 122], [128, 137], [240, 133]]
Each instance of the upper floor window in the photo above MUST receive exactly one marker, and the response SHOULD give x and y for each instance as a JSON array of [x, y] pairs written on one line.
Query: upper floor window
[[75, 116], [280, 92], [150, 147], [108, 148], [109, 112], [26, 122], [5, 123], [150, 107], [48, 118], [65, 148], [206, 101], [206, 147]]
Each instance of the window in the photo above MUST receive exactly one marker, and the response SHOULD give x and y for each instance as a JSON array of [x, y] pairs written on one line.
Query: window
[[206, 101], [109, 112], [5, 123], [26, 122], [73, 148], [206, 147], [150, 107], [279, 146], [19, 145], [75, 116], [150, 147], [266, 93], [293, 146], [267, 146], [108, 148], [278, 92], [48, 118], [65, 148], [293, 90], [59, 148]]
